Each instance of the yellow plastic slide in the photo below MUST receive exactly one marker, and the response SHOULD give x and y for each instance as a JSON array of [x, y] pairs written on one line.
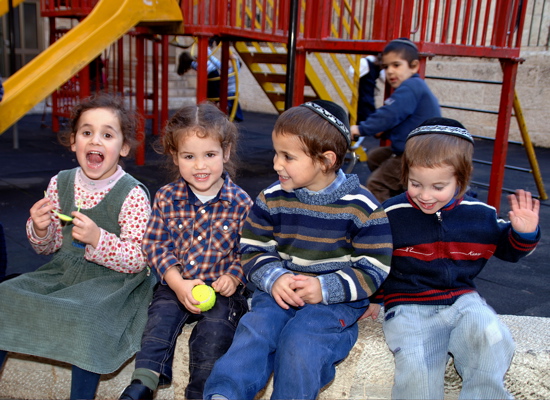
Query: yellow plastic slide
[[108, 21], [5, 5]]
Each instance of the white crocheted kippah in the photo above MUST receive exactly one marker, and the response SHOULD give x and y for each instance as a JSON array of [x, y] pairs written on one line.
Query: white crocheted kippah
[[444, 126]]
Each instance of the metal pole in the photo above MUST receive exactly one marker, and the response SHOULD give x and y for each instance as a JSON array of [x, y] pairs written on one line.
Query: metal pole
[[529, 147], [500, 146], [11, 24], [291, 51], [140, 99]]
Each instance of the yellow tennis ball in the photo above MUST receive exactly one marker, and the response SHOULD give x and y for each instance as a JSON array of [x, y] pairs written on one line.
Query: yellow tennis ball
[[206, 295]]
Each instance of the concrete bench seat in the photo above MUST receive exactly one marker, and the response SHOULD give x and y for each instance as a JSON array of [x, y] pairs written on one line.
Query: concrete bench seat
[[367, 373]]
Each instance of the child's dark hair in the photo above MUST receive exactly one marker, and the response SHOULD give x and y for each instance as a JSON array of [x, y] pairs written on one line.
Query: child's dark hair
[[185, 61], [316, 134], [435, 150], [127, 119], [206, 121], [214, 40], [405, 48]]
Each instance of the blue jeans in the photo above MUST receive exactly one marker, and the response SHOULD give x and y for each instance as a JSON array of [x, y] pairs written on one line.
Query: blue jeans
[[301, 346], [422, 337], [209, 340]]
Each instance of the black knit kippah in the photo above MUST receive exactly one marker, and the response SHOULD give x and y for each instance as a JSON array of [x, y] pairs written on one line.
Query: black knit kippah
[[405, 41], [444, 126], [334, 114]]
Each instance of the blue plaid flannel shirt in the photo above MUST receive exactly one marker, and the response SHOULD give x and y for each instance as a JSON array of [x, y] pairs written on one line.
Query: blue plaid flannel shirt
[[201, 240]]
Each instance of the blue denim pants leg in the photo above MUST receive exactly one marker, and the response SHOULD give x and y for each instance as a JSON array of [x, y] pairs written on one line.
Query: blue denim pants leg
[[309, 347], [244, 370], [165, 320], [422, 337], [419, 341], [209, 340], [300, 346], [482, 348]]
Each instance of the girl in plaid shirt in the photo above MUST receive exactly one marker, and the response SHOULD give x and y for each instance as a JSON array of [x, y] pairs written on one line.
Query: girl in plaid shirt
[[193, 238]]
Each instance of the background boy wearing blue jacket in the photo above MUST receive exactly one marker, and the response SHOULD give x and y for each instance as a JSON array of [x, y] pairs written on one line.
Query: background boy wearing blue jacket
[[411, 103]]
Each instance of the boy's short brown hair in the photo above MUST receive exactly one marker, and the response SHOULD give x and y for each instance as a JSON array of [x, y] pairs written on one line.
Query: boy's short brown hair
[[316, 133], [432, 149], [405, 48]]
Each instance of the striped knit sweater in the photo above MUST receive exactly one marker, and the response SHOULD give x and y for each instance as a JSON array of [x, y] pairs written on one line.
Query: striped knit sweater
[[342, 237], [437, 256]]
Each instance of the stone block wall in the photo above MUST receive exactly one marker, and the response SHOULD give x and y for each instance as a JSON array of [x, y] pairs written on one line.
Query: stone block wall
[[367, 372], [532, 87]]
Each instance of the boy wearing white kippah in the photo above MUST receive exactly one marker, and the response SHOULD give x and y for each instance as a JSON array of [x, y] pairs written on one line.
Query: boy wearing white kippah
[[442, 239], [316, 244]]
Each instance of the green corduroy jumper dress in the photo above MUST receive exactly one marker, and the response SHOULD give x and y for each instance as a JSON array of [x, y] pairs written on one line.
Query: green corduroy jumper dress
[[73, 310]]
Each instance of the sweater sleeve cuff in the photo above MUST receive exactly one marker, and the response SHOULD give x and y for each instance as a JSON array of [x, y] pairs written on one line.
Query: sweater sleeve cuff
[[331, 288], [265, 276], [33, 237], [530, 236]]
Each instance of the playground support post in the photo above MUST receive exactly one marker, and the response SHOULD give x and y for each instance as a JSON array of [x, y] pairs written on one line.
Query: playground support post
[[291, 50], [500, 149]]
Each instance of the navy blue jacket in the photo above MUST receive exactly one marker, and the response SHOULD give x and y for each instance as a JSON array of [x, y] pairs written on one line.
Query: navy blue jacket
[[410, 104], [437, 256]]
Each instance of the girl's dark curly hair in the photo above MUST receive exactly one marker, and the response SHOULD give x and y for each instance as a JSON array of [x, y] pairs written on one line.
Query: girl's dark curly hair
[[206, 121], [128, 119]]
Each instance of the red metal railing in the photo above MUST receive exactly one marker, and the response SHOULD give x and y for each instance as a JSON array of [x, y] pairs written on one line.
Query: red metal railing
[[471, 28], [259, 20], [66, 8], [479, 28]]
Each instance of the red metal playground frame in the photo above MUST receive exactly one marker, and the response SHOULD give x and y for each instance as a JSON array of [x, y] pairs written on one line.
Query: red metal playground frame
[[463, 28]]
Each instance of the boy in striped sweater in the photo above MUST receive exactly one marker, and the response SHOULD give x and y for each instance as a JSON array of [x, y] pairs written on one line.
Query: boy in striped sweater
[[442, 240], [316, 244]]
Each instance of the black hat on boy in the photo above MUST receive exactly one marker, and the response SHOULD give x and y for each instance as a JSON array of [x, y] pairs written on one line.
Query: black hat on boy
[[445, 126], [406, 41], [334, 114]]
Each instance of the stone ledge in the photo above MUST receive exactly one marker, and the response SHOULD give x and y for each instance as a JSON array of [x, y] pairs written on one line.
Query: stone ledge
[[367, 373]]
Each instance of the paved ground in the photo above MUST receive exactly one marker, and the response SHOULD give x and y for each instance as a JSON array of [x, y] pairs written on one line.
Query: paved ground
[[516, 289]]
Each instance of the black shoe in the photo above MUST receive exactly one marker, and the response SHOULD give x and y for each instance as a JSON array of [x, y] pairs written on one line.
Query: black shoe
[[137, 391]]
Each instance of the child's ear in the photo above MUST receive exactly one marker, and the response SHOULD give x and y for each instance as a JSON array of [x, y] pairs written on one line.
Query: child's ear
[[415, 66], [125, 150], [72, 139], [226, 153], [330, 160], [175, 157]]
